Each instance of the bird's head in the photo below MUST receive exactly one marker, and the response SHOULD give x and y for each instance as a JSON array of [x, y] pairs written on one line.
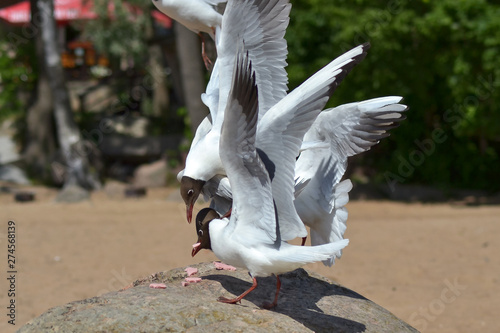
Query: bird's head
[[190, 191], [203, 219]]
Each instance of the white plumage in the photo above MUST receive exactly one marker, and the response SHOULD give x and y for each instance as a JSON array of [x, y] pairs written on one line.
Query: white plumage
[[196, 15], [340, 132], [251, 237], [302, 105]]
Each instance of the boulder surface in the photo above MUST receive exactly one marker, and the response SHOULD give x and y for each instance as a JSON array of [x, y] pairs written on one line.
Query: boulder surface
[[308, 302]]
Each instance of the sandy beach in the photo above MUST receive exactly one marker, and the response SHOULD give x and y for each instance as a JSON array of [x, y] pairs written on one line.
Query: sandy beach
[[436, 266]]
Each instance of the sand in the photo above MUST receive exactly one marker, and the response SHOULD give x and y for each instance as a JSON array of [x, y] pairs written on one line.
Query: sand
[[435, 266]]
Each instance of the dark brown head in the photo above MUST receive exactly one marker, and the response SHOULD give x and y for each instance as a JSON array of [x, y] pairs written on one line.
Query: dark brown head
[[190, 191], [202, 221]]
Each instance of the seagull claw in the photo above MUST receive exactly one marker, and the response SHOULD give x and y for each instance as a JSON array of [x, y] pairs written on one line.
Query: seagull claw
[[207, 61], [228, 300], [269, 306]]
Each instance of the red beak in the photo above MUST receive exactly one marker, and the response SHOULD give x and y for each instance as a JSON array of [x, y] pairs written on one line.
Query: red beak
[[228, 214], [196, 249], [189, 212]]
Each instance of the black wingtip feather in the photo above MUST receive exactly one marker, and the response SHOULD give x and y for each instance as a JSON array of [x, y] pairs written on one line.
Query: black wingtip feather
[[348, 67], [245, 84]]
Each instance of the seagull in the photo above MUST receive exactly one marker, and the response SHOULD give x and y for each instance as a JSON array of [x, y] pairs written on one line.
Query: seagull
[[196, 15], [282, 128], [346, 130], [262, 24], [251, 237], [337, 134], [306, 101]]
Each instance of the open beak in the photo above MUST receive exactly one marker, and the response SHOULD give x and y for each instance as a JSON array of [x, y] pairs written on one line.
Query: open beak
[[228, 214], [196, 249], [189, 212]]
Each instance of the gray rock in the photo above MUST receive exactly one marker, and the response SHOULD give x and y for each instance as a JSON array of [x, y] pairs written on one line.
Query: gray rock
[[151, 175], [72, 193], [13, 174], [8, 150], [137, 150], [307, 303], [114, 189], [133, 126]]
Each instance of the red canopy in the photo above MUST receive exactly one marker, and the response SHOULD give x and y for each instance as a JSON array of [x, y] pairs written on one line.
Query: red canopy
[[64, 11]]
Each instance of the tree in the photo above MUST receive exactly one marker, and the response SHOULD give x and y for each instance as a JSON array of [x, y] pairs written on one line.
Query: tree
[[40, 140], [442, 56], [193, 82], [127, 35], [73, 148]]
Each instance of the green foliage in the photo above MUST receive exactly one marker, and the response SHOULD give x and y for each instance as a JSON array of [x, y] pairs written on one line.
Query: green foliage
[[442, 56], [120, 32], [182, 112], [16, 75]]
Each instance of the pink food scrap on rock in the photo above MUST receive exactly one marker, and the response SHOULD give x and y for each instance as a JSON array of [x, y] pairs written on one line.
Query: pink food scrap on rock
[[192, 279], [191, 271], [219, 265], [189, 280], [158, 286]]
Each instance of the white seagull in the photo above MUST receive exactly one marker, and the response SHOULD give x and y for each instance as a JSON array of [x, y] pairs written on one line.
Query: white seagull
[[291, 117], [346, 130], [337, 133], [251, 238], [203, 162], [196, 15], [262, 24]]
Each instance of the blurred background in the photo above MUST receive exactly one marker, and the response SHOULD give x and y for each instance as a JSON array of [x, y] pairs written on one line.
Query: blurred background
[[131, 78], [101, 98]]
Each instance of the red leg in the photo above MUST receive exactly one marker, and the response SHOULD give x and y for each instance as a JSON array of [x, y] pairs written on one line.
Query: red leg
[[273, 305], [303, 240], [206, 59], [238, 299]]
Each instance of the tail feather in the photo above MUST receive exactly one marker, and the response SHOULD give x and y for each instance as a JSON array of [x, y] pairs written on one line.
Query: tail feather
[[330, 233], [310, 254]]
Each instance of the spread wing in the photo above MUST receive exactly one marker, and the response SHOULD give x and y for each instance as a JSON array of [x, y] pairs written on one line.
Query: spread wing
[[282, 130], [346, 130], [262, 25], [354, 128], [253, 210]]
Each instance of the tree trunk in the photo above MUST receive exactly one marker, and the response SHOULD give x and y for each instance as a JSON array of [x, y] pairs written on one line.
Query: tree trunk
[[159, 81], [191, 64], [169, 51], [40, 141], [74, 150]]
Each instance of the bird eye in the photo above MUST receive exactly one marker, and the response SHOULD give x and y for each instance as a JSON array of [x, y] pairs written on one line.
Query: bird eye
[[190, 192], [200, 232]]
